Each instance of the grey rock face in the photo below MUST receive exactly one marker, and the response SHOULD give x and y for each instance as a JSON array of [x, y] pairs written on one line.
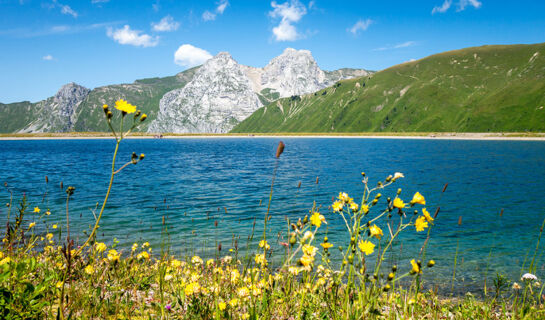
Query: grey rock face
[[59, 113]]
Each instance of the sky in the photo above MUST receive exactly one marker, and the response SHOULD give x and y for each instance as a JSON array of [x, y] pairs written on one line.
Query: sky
[[45, 44]]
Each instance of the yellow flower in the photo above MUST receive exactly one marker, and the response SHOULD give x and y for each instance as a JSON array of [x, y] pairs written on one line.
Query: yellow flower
[[416, 267], [5, 260], [309, 250], [427, 215], [49, 236], [59, 285], [337, 206], [99, 246], [260, 259], [209, 262], [308, 235], [196, 260], [113, 255], [420, 224], [366, 247], [398, 175], [317, 219], [47, 212], [124, 106], [375, 231], [365, 209], [143, 255], [326, 245], [31, 225], [175, 263], [243, 292], [353, 206], [222, 305], [192, 288], [293, 270], [1, 254], [233, 303], [89, 269], [418, 198], [398, 203], [36, 210], [343, 196], [54, 226], [306, 260], [168, 277], [264, 244]]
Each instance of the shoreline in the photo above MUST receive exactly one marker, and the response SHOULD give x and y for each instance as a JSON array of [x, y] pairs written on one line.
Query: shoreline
[[411, 136]]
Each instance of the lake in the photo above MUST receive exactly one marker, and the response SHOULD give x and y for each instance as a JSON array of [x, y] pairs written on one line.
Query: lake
[[195, 182]]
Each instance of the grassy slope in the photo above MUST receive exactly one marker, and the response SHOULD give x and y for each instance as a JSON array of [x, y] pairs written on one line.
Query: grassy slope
[[15, 116], [145, 94], [489, 88]]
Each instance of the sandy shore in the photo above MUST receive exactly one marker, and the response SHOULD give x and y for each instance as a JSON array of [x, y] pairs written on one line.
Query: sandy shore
[[430, 136]]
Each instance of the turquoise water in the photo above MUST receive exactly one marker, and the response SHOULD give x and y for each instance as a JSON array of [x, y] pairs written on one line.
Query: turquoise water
[[195, 182]]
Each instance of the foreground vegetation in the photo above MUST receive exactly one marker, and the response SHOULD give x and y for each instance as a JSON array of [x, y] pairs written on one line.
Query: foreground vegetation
[[45, 274]]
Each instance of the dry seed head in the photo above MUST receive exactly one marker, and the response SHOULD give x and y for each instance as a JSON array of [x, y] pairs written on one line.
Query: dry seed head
[[280, 149]]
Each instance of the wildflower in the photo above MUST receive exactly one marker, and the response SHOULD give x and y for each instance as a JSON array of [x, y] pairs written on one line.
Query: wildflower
[[243, 292], [431, 263], [398, 203], [427, 215], [398, 175], [168, 277], [528, 276], [420, 224], [309, 250], [209, 262], [365, 209], [134, 247], [1, 254], [192, 288], [415, 267], [227, 259], [5, 260], [54, 226], [59, 285], [145, 245], [418, 198], [36, 210], [168, 307], [317, 219], [306, 260], [175, 263], [89, 269], [113, 255], [235, 275], [264, 244], [343, 196], [196, 260], [366, 247], [293, 270], [326, 245], [233, 302], [47, 212], [222, 305], [124, 106], [516, 286], [260, 259], [308, 235], [31, 225], [143, 255], [337, 206], [375, 231], [353, 206], [143, 117], [100, 247]]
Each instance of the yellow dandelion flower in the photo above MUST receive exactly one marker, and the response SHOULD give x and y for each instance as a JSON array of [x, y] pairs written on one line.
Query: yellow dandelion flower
[[5, 261], [49, 236], [260, 259], [134, 247], [343, 196], [222, 305], [209, 262], [337, 206], [31, 225], [326, 245], [196, 260], [317, 219], [306, 260], [124, 106], [54, 226], [309, 250], [59, 285], [144, 255], [99, 246], [418, 198], [113, 255], [264, 244], [233, 302], [366, 247], [353, 206], [36, 210], [89, 269], [375, 231], [398, 203], [427, 215], [192, 288], [243, 292], [420, 224], [415, 267], [293, 270], [47, 212], [365, 209]]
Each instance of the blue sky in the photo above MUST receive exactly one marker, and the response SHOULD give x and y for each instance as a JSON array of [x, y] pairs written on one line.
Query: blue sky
[[48, 43]]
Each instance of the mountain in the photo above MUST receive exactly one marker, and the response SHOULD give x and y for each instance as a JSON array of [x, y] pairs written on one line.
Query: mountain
[[222, 93], [480, 89], [211, 98]]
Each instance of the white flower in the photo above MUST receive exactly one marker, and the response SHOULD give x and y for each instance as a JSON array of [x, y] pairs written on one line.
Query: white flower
[[398, 175], [516, 286], [308, 235], [528, 276]]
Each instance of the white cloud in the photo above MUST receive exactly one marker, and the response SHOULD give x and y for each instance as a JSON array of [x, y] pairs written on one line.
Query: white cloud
[[290, 13], [65, 9], [208, 16], [397, 46], [48, 57], [190, 56], [166, 24], [443, 8], [132, 37], [220, 8], [361, 25], [464, 3]]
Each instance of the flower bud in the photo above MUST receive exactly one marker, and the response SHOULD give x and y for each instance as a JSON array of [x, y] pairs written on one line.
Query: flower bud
[[105, 108], [143, 117], [378, 196], [389, 178], [431, 263], [394, 268], [391, 276], [293, 240], [142, 156], [363, 174], [386, 288], [137, 113], [398, 191], [109, 114]]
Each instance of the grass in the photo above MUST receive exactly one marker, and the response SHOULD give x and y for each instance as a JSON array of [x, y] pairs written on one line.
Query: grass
[[45, 274]]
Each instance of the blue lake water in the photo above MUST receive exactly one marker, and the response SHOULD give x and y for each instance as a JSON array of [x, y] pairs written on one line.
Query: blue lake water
[[195, 182]]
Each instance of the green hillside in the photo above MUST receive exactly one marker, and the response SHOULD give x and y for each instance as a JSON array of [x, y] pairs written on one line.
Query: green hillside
[[481, 89], [15, 116]]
